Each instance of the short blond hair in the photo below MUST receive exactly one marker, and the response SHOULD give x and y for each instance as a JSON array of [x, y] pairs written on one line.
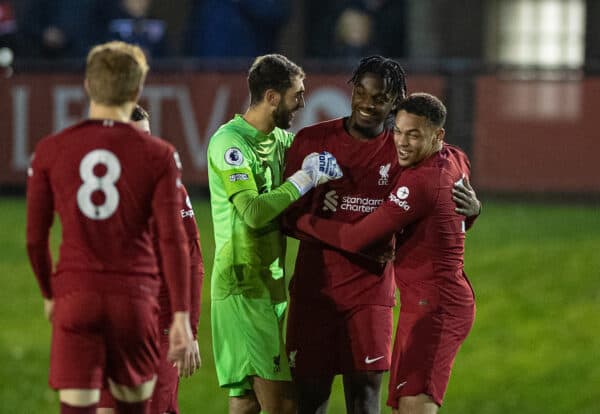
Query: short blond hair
[[115, 72]]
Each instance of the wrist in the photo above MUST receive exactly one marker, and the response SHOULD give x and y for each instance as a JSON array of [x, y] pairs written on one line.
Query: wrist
[[181, 316], [302, 181]]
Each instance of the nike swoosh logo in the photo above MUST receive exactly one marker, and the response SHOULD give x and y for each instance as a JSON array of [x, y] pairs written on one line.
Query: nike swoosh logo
[[371, 360], [402, 384]]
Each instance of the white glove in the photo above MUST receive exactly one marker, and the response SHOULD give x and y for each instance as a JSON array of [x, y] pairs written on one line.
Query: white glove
[[316, 169]]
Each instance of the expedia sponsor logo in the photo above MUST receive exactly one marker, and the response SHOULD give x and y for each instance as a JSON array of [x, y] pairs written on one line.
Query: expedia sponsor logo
[[360, 204], [187, 213], [238, 177], [400, 203]]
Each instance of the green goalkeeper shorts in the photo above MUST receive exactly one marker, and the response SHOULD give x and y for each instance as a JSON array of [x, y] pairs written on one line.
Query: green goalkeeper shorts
[[248, 341]]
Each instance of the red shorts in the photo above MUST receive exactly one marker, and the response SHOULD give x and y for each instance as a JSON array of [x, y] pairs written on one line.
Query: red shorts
[[97, 335], [164, 398], [428, 338], [323, 341]]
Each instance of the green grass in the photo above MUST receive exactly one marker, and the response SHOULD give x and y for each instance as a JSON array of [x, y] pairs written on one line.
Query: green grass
[[534, 346]]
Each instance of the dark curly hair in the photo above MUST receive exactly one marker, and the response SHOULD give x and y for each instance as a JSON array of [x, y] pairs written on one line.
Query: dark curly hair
[[392, 73]]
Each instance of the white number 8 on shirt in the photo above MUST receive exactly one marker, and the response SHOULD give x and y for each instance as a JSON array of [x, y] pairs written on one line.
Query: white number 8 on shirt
[[104, 183]]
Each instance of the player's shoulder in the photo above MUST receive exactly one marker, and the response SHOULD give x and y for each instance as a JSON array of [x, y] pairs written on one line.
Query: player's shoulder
[[423, 175], [454, 151], [230, 134], [50, 145], [320, 129], [452, 158]]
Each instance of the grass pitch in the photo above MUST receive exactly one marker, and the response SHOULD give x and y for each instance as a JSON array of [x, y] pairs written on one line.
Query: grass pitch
[[534, 346]]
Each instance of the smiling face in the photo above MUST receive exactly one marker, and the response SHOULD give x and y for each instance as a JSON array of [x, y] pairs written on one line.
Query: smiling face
[[370, 107], [416, 138], [291, 101]]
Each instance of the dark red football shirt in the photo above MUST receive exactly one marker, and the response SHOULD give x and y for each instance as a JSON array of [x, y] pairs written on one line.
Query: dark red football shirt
[[196, 268], [370, 168], [105, 179], [430, 246]]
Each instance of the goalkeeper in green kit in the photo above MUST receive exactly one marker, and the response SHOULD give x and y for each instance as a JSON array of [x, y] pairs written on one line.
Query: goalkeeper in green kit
[[246, 159]]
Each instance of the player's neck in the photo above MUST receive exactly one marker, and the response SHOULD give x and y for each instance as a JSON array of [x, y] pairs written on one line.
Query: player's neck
[[120, 113], [260, 119]]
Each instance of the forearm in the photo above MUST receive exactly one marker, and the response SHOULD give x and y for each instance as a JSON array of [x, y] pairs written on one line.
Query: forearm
[[40, 215], [41, 263], [349, 237], [197, 279], [258, 210], [176, 269]]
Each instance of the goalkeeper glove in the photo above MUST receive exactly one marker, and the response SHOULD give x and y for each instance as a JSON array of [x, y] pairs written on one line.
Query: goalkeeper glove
[[317, 168]]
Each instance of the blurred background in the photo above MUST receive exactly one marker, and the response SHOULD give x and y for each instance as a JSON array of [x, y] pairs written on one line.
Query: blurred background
[[521, 79]]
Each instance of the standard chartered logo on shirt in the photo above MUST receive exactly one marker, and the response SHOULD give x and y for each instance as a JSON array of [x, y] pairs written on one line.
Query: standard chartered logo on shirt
[[360, 204], [331, 202]]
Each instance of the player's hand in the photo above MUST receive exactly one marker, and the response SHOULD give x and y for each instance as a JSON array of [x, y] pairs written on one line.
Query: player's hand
[[180, 337], [49, 308], [322, 167], [317, 168], [382, 253], [191, 361], [465, 198]]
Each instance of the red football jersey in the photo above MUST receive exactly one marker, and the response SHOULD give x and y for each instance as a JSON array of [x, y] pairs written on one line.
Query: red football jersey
[[106, 179], [370, 168], [430, 247], [196, 263]]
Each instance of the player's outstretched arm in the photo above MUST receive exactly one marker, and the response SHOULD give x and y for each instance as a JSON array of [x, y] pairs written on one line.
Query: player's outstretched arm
[[393, 215], [259, 210]]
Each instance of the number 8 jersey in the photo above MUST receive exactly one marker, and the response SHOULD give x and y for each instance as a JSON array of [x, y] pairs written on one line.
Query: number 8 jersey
[[105, 179]]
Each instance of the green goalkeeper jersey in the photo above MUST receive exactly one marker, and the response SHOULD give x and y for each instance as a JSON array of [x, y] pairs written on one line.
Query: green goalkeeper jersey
[[245, 169]]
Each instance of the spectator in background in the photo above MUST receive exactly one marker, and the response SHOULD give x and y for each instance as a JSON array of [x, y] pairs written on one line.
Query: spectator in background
[[353, 36], [131, 24], [8, 24], [235, 28], [63, 28], [355, 28]]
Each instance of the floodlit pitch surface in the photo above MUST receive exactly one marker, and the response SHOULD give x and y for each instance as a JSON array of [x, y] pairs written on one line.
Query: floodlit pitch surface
[[534, 347]]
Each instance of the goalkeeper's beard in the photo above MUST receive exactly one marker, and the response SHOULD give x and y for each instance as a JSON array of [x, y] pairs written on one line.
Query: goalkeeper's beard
[[283, 116]]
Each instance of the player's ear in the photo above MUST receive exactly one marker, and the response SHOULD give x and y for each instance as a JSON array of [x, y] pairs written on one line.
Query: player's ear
[[272, 97], [440, 134]]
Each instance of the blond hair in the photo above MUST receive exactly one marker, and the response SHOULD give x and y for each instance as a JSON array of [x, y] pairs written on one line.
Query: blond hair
[[115, 73]]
